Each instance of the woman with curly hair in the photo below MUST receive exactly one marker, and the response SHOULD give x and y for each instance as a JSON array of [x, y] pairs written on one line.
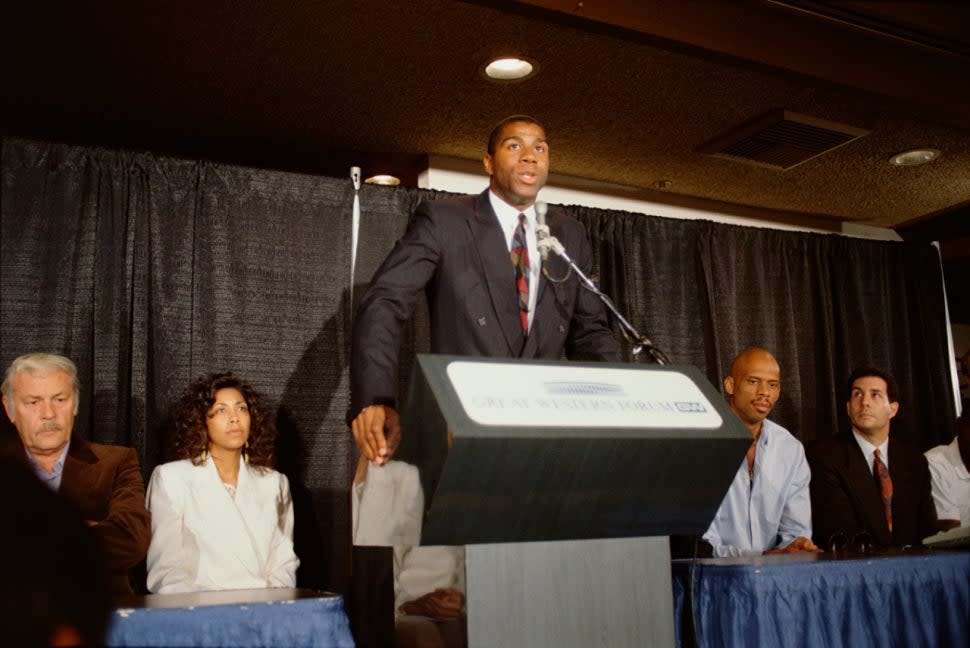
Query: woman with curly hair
[[222, 518]]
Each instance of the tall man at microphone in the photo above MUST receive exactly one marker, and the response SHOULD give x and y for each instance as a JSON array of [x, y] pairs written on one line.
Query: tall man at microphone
[[463, 253]]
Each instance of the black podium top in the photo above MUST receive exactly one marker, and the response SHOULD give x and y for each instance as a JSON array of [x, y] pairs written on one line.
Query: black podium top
[[517, 451]]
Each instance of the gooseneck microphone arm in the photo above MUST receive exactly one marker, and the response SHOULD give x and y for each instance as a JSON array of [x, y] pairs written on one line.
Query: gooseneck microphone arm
[[546, 243]]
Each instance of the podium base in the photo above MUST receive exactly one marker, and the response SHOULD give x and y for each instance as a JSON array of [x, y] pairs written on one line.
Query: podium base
[[583, 593]]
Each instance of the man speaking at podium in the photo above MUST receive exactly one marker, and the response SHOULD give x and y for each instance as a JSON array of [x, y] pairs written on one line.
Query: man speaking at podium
[[489, 292]]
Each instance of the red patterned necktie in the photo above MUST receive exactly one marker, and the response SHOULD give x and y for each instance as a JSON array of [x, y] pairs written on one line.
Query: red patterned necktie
[[885, 488], [520, 259]]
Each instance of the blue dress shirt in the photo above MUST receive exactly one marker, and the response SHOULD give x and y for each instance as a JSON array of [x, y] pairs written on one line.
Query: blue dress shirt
[[773, 509], [51, 479]]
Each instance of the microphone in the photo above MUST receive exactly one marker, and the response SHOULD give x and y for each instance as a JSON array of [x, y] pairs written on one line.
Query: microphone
[[542, 230], [545, 241]]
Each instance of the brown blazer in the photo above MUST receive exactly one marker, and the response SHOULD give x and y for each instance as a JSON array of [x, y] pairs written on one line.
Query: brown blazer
[[104, 482]]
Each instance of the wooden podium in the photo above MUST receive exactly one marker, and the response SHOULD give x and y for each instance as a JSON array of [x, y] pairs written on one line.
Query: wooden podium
[[564, 479]]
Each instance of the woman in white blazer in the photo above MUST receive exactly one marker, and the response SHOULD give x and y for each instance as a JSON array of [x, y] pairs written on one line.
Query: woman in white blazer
[[222, 518]]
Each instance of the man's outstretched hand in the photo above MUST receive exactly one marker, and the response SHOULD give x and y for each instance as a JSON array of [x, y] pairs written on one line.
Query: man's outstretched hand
[[377, 433]]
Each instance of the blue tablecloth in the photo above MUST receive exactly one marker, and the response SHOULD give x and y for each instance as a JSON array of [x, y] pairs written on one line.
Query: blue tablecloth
[[903, 600], [311, 622]]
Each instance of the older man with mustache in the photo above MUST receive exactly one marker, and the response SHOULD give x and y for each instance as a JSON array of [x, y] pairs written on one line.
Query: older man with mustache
[[40, 397]]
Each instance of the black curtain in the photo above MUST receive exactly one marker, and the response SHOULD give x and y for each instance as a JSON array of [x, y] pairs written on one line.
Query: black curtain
[[824, 304], [148, 271]]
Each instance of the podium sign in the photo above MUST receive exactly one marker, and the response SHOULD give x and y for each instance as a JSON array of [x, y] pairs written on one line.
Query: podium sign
[[532, 450]]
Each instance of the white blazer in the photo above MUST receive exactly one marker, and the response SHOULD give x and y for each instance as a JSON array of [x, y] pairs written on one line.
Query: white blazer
[[204, 539]]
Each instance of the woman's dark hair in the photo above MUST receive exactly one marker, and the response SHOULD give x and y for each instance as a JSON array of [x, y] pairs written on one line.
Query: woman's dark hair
[[191, 437]]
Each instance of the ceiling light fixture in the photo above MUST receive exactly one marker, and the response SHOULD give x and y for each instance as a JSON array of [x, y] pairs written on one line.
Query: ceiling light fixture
[[509, 69], [914, 157], [384, 179]]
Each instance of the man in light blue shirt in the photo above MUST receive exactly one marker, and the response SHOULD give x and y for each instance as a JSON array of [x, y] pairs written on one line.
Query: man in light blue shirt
[[767, 508]]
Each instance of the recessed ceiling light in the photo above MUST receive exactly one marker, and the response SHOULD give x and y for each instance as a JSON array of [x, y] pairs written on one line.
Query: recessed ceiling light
[[914, 157], [509, 69], [383, 179]]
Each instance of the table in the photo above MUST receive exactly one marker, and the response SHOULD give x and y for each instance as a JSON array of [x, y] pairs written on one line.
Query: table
[[265, 617], [915, 598]]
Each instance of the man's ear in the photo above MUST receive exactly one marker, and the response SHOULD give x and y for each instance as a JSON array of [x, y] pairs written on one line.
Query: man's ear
[[893, 408], [6, 408], [487, 163], [729, 385]]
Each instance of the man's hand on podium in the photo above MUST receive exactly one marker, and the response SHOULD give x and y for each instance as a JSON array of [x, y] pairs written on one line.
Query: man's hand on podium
[[800, 543], [443, 603], [377, 433]]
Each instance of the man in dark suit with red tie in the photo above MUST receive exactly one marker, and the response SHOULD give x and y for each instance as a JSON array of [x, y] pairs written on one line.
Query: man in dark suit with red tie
[[458, 251], [868, 485]]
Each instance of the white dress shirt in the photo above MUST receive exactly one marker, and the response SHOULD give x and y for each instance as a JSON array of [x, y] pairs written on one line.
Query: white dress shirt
[[869, 450], [387, 509], [508, 218], [950, 483]]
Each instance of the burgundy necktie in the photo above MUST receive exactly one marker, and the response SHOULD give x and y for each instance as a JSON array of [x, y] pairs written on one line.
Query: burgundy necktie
[[885, 488], [520, 259]]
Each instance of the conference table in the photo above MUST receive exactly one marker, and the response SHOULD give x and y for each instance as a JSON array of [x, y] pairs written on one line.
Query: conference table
[[917, 597], [282, 617]]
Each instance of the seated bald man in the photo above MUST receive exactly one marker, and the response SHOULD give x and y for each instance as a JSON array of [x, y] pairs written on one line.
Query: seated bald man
[[767, 508]]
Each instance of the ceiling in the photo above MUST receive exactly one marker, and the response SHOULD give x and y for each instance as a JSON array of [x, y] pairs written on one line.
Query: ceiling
[[630, 91]]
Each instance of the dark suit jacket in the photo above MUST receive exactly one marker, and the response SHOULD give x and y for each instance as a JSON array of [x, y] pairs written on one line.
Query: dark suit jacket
[[104, 482], [846, 496], [455, 250]]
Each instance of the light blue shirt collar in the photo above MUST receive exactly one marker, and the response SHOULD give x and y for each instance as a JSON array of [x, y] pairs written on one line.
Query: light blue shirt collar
[[52, 479]]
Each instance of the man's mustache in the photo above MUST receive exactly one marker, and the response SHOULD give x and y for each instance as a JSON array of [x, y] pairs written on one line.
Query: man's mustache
[[50, 426]]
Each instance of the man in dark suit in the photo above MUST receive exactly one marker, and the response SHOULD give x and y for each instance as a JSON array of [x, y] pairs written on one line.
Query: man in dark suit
[[458, 251], [40, 396], [868, 485]]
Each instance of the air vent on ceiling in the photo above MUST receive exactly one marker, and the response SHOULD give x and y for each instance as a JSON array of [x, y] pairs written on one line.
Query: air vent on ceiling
[[782, 139]]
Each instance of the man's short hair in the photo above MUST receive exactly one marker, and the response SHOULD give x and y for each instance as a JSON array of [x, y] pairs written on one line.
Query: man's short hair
[[39, 362], [511, 119], [892, 389]]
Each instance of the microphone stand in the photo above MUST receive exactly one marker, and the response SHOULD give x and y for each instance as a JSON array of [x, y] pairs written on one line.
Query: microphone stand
[[546, 242]]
